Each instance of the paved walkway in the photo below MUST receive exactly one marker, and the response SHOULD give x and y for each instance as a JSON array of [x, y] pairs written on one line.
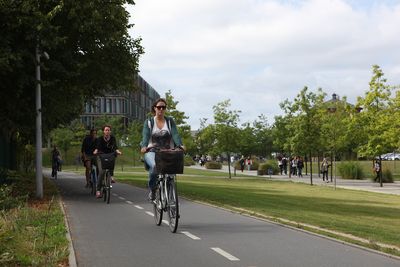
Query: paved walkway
[[367, 185]]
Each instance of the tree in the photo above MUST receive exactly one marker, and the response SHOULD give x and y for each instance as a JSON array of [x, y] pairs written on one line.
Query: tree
[[180, 120], [375, 117], [263, 136], [90, 52], [393, 132], [133, 138], [205, 139], [226, 131], [304, 127], [247, 143], [79, 132], [63, 138]]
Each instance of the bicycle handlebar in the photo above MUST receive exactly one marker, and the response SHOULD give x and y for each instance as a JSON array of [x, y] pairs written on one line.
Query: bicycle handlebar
[[157, 149]]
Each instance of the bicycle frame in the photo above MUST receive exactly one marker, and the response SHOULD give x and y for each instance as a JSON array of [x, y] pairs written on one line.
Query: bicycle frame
[[167, 201]]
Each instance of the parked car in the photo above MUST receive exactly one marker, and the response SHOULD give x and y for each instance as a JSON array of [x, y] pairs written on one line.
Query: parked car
[[390, 156], [393, 156]]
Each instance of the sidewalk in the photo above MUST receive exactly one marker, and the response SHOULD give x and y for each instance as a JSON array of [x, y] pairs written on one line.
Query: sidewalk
[[366, 185]]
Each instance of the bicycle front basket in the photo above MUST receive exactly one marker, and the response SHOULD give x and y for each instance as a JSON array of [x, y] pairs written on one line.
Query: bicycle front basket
[[169, 161], [107, 160]]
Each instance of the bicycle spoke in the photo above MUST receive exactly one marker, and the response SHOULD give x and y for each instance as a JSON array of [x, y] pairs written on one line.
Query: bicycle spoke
[[173, 205], [157, 207]]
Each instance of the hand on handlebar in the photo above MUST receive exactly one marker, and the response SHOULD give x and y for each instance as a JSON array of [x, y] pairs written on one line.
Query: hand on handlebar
[[145, 149]]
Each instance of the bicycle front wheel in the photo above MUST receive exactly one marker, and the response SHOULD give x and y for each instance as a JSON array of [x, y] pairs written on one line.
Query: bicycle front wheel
[[172, 205], [107, 188], [93, 183], [157, 207]]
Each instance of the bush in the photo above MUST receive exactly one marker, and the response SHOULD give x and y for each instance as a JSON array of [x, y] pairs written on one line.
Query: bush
[[188, 161], [387, 177], [351, 170], [8, 200], [213, 165], [263, 168]]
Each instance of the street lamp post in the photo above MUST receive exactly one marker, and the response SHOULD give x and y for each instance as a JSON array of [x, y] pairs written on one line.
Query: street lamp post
[[39, 172], [333, 157]]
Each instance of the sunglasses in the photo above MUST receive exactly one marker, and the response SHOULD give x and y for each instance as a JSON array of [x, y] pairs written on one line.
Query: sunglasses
[[161, 107]]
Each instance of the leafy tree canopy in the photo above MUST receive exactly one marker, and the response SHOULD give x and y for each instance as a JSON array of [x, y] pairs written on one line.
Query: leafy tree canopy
[[90, 52]]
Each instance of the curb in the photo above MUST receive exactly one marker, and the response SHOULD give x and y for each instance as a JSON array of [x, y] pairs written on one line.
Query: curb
[[71, 257]]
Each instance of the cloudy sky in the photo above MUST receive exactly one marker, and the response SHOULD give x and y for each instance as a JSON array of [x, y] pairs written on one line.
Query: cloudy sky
[[257, 53]]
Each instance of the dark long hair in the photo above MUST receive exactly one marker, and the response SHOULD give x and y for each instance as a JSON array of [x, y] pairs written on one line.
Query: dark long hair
[[155, 104]]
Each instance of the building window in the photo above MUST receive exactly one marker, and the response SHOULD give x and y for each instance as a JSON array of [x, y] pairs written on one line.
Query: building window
[[108, 105]]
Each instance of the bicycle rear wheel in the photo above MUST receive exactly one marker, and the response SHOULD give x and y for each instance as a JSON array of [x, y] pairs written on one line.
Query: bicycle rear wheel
[[157, 206], [172, 205]]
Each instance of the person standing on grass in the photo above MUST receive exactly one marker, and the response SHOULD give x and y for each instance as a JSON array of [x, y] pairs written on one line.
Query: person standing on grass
[[324, 169], [377, 169], [280, 164], [242, 163], [284, 164], [300, 166], [249, 162]]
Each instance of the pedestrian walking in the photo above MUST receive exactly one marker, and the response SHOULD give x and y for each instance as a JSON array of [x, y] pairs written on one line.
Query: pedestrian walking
[[324, 170]]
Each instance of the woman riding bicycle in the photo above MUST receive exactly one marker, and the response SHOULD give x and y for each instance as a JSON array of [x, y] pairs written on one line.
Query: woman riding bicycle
[[105, 144], [158, 132]]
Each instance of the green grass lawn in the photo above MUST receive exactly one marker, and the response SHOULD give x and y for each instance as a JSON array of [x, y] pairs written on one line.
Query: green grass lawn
[[32, 232], [372, 216]]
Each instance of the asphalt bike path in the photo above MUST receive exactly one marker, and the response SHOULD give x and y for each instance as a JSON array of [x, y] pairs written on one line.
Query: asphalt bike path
[[123, 233]]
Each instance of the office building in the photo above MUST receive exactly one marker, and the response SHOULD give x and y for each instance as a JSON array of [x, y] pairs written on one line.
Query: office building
[[130, 105]]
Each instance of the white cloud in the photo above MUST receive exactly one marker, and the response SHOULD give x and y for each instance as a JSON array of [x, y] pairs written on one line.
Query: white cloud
[[258, 53]]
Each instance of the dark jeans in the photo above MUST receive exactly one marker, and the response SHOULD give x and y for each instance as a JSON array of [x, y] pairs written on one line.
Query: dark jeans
[[324, 175]]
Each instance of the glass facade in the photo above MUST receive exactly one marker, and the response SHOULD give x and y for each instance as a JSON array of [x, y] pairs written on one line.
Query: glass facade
[[130, 105]]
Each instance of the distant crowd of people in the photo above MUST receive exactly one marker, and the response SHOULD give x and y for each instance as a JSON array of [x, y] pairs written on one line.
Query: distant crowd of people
[[296, 165]]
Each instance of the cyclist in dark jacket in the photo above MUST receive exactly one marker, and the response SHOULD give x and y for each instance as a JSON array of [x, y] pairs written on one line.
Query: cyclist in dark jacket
[[105, 144], [88, 146], [55, 160]]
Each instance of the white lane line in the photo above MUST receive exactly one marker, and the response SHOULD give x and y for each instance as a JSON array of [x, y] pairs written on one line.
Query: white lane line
[[115, 195], [149, 213], [192, 236], [129, 202], [138, 207], [225, 254], [122, 198], [164, 221]]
